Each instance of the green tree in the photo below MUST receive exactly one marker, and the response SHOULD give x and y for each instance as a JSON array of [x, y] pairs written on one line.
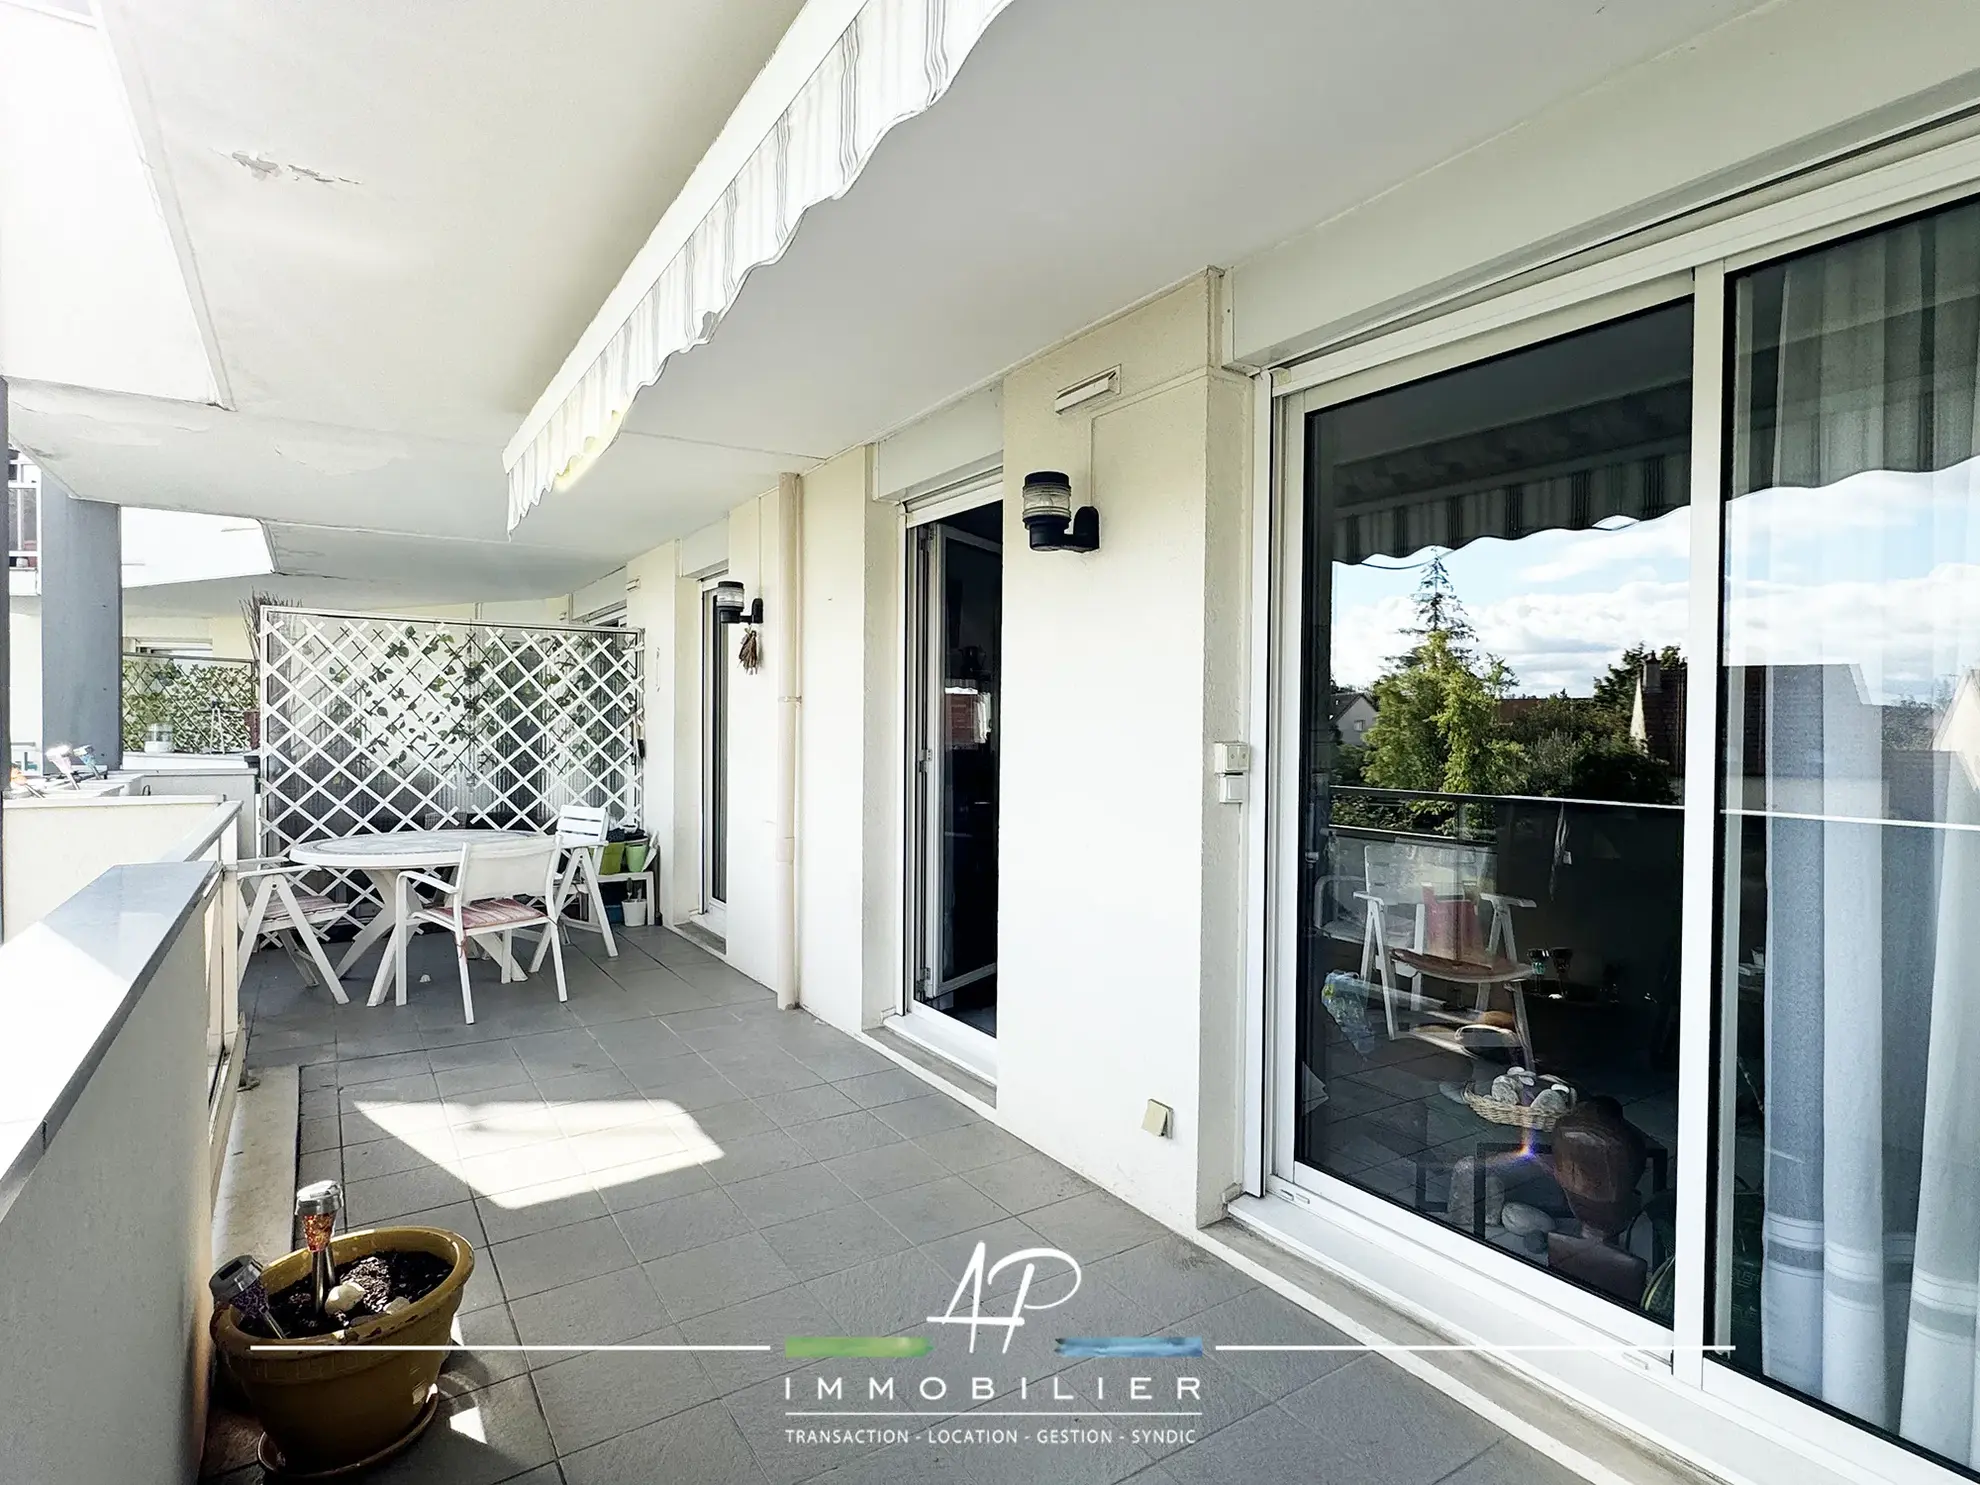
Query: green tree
[[1615, 691], [1436, 724]]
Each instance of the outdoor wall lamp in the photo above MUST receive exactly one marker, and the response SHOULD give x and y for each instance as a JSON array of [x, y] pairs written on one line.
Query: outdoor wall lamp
[[1049, 517], [729, 606]]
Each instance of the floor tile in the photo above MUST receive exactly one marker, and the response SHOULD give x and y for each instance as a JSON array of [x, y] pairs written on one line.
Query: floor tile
[[389, 1157], [828, 1241], [892, 1295], [1261, 1318], [1174, 1384], [756, 1155], [644, 1182], [1093, 1226], [481, 1437], [529, 1165], [593, 1312], [1026, 1183], [718, 1276], [559, 1053], [845, 1135], [1510, 1462], [381, 1199], [968, 1147], [803, 1105], [886, 1168], [533, 1209], [1372, 1417], [872, 1090], [589, 1399], [937, 1209], [789, 1194], [765, 1320], [700, 1445], [1172, 1277], [928, 1114], [760, 1414], [563, 1255], [685, 1222], [470, 1367]]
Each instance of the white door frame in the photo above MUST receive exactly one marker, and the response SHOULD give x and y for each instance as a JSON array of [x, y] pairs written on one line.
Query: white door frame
[[1602, 286], [952, 1040], [712, 648]]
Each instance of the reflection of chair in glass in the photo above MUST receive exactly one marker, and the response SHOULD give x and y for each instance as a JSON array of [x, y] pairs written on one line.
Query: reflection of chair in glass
[[1388, 890], [1481, 1029]]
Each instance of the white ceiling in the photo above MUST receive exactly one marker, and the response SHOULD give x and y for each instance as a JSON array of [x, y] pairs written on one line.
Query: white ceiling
[[394, 220], [398, 219], [1092, 152]]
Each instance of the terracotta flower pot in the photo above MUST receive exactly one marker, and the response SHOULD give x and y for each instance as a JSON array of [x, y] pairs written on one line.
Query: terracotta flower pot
[[328, 1409]]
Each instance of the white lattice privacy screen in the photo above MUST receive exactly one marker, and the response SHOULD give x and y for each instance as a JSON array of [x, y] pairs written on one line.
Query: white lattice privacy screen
[[372, 724]]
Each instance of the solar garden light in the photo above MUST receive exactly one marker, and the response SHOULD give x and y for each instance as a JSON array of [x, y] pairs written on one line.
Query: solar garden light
[[238, 1282], [318, 1205]]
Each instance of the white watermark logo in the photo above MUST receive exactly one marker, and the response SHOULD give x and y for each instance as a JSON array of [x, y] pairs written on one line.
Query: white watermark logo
[[977, 1275]]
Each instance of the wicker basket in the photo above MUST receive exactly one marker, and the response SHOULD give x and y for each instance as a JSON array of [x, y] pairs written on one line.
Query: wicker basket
[[1518, 1115]]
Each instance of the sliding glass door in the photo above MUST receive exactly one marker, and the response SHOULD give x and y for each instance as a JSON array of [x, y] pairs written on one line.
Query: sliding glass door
[[1848, 1260], [1494, 693]]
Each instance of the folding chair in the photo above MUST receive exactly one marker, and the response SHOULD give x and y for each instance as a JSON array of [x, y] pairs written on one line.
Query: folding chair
[[279, 914], [581, 832], [483, 902]]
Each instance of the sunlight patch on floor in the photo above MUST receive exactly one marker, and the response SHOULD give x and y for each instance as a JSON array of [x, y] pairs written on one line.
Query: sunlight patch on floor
[[613, 1142]]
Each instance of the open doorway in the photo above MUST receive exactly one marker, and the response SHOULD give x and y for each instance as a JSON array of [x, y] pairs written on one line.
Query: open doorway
[[955, 615], [716, 652]]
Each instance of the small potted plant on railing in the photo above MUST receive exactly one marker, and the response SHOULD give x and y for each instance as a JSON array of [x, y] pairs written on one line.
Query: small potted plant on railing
[[337, 1347]]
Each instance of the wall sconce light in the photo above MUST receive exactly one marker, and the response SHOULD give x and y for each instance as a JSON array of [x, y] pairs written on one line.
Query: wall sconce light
[[1049, 517], [729, 606]]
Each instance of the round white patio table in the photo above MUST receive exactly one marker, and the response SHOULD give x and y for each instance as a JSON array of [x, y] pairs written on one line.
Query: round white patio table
[[382, 856]]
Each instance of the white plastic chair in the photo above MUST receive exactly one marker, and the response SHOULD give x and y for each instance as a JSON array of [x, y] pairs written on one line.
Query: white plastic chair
[[279, 914], [482, 903], [581, 830]]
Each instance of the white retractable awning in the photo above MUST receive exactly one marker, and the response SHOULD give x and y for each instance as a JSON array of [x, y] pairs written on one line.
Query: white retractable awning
[[845, 74]]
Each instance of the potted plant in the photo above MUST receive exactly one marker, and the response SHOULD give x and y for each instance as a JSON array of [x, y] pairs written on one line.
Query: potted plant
[[329, 1399]]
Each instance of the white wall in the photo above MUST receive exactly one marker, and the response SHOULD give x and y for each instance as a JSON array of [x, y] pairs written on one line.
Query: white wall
[[105, 1250], [650, 580], [848, 790], [24, 676], [1118, 939], [1780, 74], [55, 846]]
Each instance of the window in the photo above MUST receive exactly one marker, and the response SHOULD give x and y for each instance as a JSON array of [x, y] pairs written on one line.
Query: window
[[1497, 578], [1848, 1260]]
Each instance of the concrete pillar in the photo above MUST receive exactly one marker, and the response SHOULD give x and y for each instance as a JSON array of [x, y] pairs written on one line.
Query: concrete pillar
[[82, 622]]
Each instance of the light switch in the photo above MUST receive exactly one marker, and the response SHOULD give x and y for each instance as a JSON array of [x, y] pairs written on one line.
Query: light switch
[[1230, 757], [1231, 788], [1156, 1120]]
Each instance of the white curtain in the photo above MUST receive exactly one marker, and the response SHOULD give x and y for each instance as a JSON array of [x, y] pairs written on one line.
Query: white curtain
[[1854, 584]]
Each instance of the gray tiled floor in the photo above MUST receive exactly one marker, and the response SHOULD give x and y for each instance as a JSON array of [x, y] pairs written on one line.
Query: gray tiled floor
[[668, 1160]]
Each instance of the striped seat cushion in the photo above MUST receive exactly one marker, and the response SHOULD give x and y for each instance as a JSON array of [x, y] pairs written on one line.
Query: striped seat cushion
[[496, 912], [314, 910]]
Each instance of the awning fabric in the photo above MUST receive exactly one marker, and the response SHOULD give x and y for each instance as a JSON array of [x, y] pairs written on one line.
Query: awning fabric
[[893, 62]]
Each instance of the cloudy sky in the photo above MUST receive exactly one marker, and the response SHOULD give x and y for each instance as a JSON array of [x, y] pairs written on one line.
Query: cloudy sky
[[1879, 571]]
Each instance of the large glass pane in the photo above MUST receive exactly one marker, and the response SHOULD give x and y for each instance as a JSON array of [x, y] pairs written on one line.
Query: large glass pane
[[1849, 1260], [962, 586], [1494, 733]]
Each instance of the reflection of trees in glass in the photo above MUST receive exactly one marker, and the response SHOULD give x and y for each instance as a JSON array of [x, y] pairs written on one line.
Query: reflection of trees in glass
[[1446, 723]]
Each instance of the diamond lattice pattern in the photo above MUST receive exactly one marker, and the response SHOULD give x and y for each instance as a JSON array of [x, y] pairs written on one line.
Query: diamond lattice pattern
[[377, 724]]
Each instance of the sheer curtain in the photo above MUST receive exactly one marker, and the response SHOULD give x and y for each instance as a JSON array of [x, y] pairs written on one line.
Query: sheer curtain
[[1853, 594]]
